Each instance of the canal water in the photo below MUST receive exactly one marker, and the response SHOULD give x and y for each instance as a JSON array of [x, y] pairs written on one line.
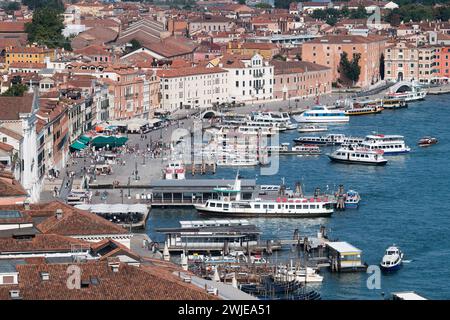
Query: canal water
[[404, 202]]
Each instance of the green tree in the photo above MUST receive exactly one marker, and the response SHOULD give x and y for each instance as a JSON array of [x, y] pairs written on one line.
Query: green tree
[[282, 4], [382, 66], [16, 90], [135, 44], [349, 70], [279, 57], [242, 2], [10, 7], [45, 29], [37, 4], [359, 13], [263, 6]]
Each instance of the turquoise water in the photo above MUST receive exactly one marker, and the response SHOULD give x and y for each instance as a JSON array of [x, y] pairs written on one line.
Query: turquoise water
[[404, 202]]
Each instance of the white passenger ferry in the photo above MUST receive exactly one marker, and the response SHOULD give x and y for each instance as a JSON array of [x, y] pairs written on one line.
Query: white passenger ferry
[[389, 144], [329, 139], [408, 96], [303, 149], [312, 128], [230, 204], [282, 118], [322, 114], [357, 155]]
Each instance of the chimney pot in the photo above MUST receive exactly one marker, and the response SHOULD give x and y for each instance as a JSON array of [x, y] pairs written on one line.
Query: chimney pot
[[59, 214]]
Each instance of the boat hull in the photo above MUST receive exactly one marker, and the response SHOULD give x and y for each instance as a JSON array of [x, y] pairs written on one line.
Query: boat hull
[[202, 211], [351, 205], [391, 268], [367, 163]]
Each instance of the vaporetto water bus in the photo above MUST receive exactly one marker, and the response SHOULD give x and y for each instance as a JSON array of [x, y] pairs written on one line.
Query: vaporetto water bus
[[230, 204], [319, 114], [389, 144], [282, 118], [329, 139]]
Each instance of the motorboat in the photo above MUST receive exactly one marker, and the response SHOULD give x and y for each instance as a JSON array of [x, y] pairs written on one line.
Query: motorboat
[[427, 141], [389, 144], [358, 155], [352, 199], [392, 259], [312, 128], [322, 114]]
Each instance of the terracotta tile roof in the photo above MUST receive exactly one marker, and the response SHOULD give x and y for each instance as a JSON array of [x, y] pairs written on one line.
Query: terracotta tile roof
[[11, 107], [11, 133], [41, 243], [34, 50], [337, 39], [186, 72], [76, 222], [12, 26], [287, 67], [92, 50], [6, 147], [128, 283], [27, 65]]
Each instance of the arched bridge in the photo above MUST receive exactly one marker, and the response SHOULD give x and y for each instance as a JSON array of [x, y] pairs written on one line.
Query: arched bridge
[[402, 86]]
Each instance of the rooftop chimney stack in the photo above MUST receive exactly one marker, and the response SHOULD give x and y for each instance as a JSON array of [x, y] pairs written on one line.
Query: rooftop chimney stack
[[59, 214], [26, 204]]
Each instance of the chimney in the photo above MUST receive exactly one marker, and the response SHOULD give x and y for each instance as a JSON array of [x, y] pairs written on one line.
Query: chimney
[[26, 204], [114, 264], [15, 294], [45, 276], [59, 214]]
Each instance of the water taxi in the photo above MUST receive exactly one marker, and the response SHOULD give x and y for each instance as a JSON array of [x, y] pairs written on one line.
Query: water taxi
[[230, 204], [352, 199], [389, 144], [312, 128], [392, 259], [318, 114], [427, 141], [356, 155], [329, 140], [393, 103]]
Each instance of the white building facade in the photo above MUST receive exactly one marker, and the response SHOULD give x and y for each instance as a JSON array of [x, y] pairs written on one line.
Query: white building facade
[[249, 79]]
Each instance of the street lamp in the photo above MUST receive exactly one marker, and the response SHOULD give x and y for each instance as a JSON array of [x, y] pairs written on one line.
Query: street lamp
[[129, 191]]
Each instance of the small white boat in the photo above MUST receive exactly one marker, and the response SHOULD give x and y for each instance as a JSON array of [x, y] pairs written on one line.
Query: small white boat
[[312, 128], [302, 149], [357, 155], [302, 275], [392, 259], [352, 199]]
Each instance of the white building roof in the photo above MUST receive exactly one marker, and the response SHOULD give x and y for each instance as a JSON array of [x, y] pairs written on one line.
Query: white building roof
[[343, 247], [409, 295]]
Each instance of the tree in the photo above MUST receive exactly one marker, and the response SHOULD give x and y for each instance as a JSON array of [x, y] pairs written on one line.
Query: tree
[[16, 90], [359, 13], [135, 44], [242, 2], [10, 7], [349, 70], [282, 4], [45, 29], [37, 4], [279, 57], [382, 66], [263, 6]]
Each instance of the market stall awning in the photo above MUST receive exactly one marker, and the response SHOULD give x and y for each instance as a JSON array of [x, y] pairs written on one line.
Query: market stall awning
[[84, 139], [111, 141], [77, 145]]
